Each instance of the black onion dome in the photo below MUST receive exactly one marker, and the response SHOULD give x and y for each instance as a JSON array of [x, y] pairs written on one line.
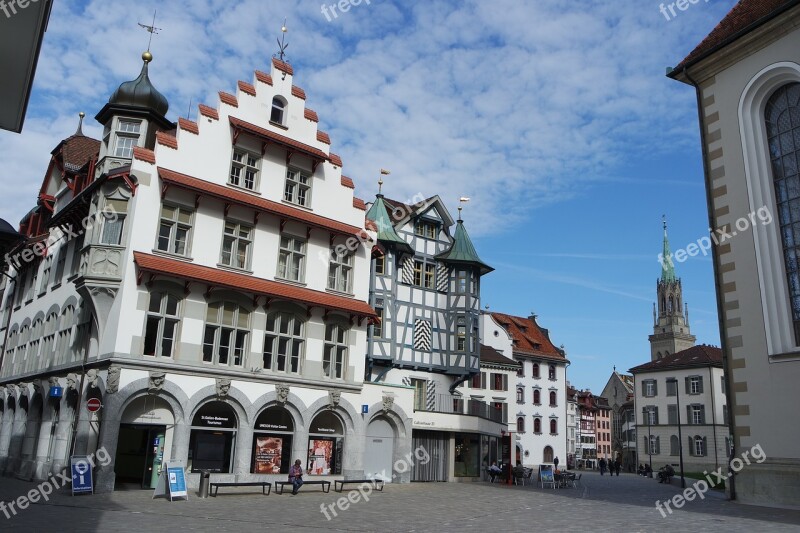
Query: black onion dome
[[140, 92]]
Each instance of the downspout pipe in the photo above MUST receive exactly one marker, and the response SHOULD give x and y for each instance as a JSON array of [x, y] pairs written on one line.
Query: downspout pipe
[[459, 381], [717, 285]]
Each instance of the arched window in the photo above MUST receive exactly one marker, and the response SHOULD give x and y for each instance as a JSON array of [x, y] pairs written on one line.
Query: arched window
[[80, 340], [161, 328], [50, 327], [670, 305], [782, 116], [547, 454], [277, 113], [537, 397], [537, 425], [32, 353], [284, 342], [674, 445], [551, 372], [64, 334], [536, 370], [553, 426], [22, 348], [699, 446], [520, 395], [553, 402], [520, 424], [334, 358], [226, 333]]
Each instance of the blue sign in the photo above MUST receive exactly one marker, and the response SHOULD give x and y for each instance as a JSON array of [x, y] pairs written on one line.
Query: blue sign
[[177, 481], [56, 392], [81, 475], [364, 409]]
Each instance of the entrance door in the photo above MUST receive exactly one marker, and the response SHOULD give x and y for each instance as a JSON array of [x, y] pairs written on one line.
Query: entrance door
[[379, 450], [140, 452]]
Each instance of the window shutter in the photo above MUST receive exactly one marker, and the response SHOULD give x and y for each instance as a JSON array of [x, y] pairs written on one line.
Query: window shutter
[[700, 385], [688, 386], [691, 445], [702, 414], [672, 414], [705, 446], [644, 388], [689, 414], [483, 380], [655, 388], [505, 382], [408, 270], [658, 445], [644, 415], [655, 418], [646, 446]]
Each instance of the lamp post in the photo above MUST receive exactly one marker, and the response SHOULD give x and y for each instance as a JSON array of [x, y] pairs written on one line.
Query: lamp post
[[649, 440], [680, 437]]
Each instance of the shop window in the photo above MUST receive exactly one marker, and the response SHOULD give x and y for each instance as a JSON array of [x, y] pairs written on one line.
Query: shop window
[[325, 445], [272, 442], [211, 442]]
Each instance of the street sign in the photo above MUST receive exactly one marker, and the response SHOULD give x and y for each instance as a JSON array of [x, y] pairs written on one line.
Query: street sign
[[364, 409], [81, 475], [93, 405]]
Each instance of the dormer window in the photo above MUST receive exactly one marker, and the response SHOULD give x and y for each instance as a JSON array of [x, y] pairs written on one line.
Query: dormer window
[[277, 113], [298, 188], [426, 229], [127, 135]]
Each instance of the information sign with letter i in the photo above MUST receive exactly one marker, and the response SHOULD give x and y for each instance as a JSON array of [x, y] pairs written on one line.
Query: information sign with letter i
[[172, 481], [81, 470]]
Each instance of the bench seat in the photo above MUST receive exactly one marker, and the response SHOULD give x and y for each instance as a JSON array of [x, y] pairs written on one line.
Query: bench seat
[[326, 485], [339, 484], [266, 487]]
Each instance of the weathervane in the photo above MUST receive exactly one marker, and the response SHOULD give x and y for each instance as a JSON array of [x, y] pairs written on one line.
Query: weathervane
[[461, 201], [384, 172], [150, 29], [282, 46]]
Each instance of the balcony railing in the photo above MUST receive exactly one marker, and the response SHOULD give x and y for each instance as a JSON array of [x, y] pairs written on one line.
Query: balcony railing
[[449, 404]]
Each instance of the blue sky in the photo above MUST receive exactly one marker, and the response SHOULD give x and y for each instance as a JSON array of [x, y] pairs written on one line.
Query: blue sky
[[555, 117]]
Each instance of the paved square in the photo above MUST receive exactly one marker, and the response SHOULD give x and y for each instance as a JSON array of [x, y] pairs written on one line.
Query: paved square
[[624, 503]]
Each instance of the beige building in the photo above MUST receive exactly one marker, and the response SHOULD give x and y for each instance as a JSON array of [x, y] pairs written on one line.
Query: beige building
[[746, 74]]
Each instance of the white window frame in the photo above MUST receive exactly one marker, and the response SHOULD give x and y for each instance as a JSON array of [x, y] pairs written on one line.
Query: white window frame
[[288, 254], [245, 169], [334, 355], [340, 271], [287, 329], [163, 322], [226, 335], [297, 187], [232, 232], [126, 137], [113, 228], [175, 224]]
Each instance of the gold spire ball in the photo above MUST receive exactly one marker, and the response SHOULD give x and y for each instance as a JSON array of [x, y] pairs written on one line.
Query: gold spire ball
[[147, 56]]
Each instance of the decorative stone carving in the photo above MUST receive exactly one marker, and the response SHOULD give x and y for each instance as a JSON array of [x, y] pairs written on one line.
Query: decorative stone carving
[[37, 387], [23, 389], [334, 397], [53, 381], [388, 402], [223, 386], [72, 381], [282, 391], [112, 379], [156, 382], [91, 377]]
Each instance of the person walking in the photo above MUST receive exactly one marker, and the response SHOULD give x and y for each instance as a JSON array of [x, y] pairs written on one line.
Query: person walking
[[617, 466], [296, 476], [602, 464], [555, 462]]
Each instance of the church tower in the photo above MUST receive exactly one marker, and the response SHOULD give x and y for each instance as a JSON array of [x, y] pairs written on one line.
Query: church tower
[[671, 331]]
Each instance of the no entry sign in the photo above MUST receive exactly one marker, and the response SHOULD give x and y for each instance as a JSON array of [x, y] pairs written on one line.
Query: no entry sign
[[93, 405]]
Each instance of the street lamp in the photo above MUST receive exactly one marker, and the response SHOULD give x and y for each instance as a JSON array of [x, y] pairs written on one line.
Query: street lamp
[[680, 437]]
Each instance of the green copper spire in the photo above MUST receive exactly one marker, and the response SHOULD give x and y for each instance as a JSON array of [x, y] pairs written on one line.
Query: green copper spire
[[463, 251], [379, 214], [667, 266]]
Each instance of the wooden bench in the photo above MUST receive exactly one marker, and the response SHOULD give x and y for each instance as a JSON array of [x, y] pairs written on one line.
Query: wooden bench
[[266, 487], [339, 484], [326, 485]]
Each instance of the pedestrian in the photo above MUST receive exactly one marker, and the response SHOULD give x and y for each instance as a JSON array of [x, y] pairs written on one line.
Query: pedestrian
[[555, 462], [494, 471], [296, 476], [618, 466], [602, 466]]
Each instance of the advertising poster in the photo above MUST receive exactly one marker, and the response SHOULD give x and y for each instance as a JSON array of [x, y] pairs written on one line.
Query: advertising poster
[[320, 453], [268, 452]]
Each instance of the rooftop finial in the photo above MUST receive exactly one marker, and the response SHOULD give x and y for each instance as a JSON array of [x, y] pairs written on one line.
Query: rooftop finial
[[461, 201], [384, 172], [151, 29], [664, 221], [79, 131], [282, 46]]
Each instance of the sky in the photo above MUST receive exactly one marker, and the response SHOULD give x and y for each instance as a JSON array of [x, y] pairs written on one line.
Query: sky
[[556, 119]]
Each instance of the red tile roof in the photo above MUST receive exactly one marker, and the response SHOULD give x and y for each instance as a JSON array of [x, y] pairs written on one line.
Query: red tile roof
[[77, 150], [370, 225], [528, 336], [310, 114], [263, 77], [358, 203], [228, 98], [298, 92], [144, 154], [188, 125], [250, 284], [277, 137], [166, 140], [285, 67], [256, 202], [490, 355], [247, 88], [700, 355], [336, 160], [347, 182], [323, 137], [745, 15], [209, 112]]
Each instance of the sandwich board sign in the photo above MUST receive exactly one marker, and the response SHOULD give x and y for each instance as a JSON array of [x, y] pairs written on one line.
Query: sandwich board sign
[[81, 470], [546, 476], [172, 481]]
